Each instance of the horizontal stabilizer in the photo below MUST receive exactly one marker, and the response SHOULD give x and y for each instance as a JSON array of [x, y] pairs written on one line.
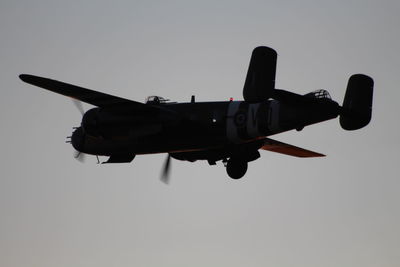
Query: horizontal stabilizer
[[279, 147]]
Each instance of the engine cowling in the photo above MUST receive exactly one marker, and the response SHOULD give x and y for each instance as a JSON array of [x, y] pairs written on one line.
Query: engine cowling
[[90, 122]]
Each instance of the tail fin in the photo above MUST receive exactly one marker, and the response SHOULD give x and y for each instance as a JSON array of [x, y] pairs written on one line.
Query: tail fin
[[260, 79], [357, 105]]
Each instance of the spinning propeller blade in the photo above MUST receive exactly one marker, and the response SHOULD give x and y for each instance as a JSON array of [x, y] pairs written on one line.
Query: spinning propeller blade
[[79, 106], [79, 156], [165, 171]]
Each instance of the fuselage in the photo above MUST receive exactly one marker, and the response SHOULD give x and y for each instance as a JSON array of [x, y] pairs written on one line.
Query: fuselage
[[189, 129]]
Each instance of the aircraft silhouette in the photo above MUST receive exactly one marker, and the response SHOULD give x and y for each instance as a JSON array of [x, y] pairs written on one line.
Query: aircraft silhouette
[[227, 131]]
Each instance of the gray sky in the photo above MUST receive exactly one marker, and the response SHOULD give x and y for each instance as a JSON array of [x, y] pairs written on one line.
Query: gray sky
[[342, 210]]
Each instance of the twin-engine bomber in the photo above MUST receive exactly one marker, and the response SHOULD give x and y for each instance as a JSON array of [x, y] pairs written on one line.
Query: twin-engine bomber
[[229, 131]]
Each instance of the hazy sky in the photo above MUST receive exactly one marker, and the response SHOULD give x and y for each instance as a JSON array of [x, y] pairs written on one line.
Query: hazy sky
[[342, 210]]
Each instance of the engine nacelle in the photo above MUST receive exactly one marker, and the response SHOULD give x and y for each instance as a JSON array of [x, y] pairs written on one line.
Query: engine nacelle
[[90, 122]]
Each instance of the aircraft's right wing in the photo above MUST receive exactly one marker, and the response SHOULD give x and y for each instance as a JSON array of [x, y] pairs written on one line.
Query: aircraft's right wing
[[85, 95], [279, 147], [260, 79]]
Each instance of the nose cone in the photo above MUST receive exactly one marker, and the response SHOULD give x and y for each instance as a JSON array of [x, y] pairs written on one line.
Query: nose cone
[[78, 139]]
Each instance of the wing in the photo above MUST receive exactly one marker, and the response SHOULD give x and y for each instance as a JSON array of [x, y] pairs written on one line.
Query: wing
[[279, 147], [85, 95], [260, 79]]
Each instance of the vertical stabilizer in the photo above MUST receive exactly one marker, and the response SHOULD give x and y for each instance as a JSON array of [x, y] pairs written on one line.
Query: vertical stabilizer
[[260, 79], [357, 105]]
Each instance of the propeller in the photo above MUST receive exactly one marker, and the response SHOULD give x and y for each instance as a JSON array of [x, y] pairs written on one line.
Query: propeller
[[79, 106], [165, 172], [79, 156]]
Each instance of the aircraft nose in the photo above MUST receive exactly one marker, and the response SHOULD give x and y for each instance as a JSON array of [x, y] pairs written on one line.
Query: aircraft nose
[[78, 139]]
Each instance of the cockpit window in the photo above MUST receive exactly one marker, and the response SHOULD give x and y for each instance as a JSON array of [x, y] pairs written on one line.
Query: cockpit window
[[319, 94], [155, 100]]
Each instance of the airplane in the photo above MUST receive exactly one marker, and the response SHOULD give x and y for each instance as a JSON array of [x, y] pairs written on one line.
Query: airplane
[[229, 131]]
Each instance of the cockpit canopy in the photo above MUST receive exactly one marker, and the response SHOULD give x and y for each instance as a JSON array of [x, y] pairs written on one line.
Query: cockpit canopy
[[155, 100], [321, 93]]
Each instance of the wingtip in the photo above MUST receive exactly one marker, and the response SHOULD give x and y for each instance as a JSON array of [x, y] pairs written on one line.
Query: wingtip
[[32, 79], [25, 77]]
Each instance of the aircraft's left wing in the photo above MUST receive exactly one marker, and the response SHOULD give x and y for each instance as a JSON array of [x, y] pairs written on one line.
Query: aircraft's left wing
[[85, 95], [279, 147]]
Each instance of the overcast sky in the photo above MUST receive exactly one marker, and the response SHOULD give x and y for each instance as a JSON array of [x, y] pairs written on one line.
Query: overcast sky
[[342, 210]]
